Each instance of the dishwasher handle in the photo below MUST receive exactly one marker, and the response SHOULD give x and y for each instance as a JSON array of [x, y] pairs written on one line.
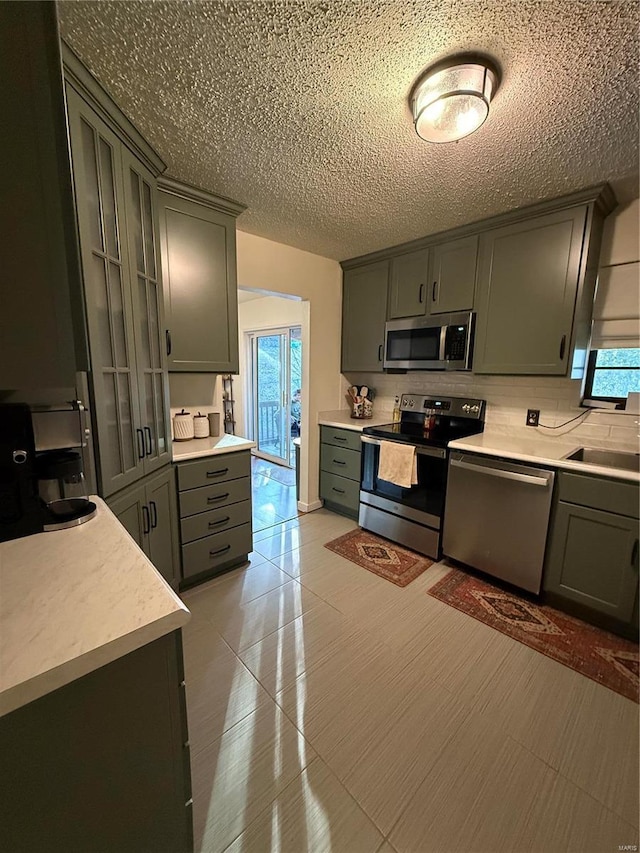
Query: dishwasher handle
[[503, 473]]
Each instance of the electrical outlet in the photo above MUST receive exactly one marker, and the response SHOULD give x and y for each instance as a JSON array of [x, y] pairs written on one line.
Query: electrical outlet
[[533, 416]]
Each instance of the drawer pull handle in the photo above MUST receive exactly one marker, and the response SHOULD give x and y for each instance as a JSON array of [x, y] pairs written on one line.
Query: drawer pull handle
[[339, 438], [222, 521], [338, 462], [217, 473], [339, 491], [219, 551], [215, 498]]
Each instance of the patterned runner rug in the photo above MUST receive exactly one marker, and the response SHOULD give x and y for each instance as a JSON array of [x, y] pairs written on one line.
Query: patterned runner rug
[[377, 555], [601, 656]]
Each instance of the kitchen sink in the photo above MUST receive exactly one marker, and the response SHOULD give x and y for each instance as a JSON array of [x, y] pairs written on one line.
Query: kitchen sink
[[606, 458]]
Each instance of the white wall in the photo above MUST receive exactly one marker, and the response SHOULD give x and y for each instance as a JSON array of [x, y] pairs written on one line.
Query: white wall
[[267, 312], [276, 268], [621, 235]]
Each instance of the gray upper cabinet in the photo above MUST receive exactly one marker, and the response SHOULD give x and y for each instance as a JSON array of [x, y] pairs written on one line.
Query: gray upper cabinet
[[42, 335], [198, 249], [409, 288], [527, 283], [114, 174], [364, 311], [453, 276]]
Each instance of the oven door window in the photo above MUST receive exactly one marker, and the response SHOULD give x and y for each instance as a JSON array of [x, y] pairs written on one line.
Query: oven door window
[[427, 496], [414, 344]]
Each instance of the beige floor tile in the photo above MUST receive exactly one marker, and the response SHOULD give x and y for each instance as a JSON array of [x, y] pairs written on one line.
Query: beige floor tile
[[314, 813], [475, 796], [284, 655], [276, 530], [326, 526], [242, 626], [566, 820], [308, 557], [239, 775], [386, 848], [220, 690], [223, 594]]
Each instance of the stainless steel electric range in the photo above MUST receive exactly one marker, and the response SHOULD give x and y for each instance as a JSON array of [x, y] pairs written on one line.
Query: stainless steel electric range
[[413, 516]]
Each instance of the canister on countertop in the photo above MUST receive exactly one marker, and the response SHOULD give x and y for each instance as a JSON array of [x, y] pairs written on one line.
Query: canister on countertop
[[183, 428], [201, 426], [214, 423]]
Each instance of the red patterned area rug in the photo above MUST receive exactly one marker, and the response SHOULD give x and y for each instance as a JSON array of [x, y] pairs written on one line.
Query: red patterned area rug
[[601, 656], [377, 555]]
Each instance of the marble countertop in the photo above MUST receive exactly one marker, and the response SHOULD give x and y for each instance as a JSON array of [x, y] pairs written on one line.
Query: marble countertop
[[538, 449], [342, 419], [74, 600], [210, 446]]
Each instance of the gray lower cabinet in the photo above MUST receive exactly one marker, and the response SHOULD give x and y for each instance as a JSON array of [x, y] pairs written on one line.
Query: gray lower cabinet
[[340, 461], [198, 248], [409, 291], [118, 226], [42, 339], [215, 514], [592, 553], [364, 313], [527, 283], [149, 512], [102, 764], [453, 275]]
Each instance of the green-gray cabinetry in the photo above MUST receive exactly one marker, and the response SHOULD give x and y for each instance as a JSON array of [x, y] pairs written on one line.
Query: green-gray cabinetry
[[148, 510], [591, 563], [364, 313], [453, 275], [116, 208], [408, 288], [215, 514], [527, 283], [198, 248], [102, 764], [340, 461], [42, 336]]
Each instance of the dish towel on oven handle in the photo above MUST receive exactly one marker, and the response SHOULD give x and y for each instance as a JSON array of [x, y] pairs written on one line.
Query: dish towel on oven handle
[[398, 464]]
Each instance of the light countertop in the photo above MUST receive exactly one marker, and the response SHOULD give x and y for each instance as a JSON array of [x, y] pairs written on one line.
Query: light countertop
[[74, 600], [210, 446], [342, 419], [538, 449]]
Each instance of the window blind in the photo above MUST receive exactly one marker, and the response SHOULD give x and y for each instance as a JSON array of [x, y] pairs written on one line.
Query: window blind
[[616, 311]]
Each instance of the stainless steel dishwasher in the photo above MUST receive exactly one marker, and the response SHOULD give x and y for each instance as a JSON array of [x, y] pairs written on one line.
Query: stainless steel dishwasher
[[496, 517]]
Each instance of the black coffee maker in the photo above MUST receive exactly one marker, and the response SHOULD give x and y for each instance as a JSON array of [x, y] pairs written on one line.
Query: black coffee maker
[[42, 484]]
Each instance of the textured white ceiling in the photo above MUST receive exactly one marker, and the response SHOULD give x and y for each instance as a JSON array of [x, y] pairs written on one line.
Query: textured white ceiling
[[298, 108]]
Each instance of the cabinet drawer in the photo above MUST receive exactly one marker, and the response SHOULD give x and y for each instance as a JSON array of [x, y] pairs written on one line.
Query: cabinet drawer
[[598, 493], [337, 460], [216, 551], [339, 490], [348, 438], [213, 469], [213, 497], [215, 521]]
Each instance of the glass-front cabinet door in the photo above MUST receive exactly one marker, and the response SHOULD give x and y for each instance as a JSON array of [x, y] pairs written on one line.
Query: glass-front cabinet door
[[147, 311], [97, 173]]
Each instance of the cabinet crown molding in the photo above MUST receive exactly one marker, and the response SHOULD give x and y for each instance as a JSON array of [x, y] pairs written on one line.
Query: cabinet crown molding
[[79, 76], [172, 186], [601, 196]]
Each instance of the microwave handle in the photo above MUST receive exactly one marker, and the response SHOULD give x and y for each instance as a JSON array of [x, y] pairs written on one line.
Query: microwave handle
[[443, 340]]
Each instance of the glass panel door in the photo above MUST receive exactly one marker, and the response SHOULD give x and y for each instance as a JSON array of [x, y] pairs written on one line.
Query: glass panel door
[[271, 398]]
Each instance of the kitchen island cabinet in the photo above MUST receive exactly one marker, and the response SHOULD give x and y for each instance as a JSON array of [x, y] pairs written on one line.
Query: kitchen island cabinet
[[198, 248], [364, 313], [592, 556]]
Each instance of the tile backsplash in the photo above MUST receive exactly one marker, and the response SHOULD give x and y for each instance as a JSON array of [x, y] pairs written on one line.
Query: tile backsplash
[[508, 398]]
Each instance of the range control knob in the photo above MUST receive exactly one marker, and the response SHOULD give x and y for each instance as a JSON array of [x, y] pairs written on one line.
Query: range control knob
[[405, 402], [412, 403], [466, 408], [474, 409]]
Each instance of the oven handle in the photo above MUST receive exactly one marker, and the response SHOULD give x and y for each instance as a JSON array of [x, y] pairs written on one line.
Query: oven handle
[[437, 452]]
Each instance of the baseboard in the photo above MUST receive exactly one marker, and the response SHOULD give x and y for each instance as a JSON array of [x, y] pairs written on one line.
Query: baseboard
[[303, 507]]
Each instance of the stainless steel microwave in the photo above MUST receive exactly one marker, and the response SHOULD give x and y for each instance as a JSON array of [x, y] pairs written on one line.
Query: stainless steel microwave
[[442, 342]]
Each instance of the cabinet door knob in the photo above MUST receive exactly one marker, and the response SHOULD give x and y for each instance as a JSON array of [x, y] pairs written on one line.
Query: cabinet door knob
[[146, 521]]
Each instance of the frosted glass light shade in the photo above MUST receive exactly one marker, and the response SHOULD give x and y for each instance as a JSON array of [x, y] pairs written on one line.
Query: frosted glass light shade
[[452, 102]]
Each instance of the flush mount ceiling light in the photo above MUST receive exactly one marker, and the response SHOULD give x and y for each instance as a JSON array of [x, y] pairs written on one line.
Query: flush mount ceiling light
[[451, 99]]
